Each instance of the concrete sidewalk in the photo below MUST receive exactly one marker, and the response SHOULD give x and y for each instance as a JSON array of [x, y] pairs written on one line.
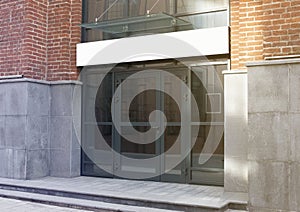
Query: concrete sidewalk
[[129, 192], [9, 205]]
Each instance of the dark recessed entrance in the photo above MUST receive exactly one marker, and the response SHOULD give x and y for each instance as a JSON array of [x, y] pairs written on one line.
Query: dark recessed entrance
[[105, 147]]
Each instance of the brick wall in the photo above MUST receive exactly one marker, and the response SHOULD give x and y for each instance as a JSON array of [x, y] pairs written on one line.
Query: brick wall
[[263, 28], [34, 48], [64, 18], [12, 16], [38, 37]]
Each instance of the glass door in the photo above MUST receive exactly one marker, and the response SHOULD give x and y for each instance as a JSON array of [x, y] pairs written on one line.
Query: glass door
[[141, 106], [112, 148], [97, 127], [207, 155], [174, 112], [132, 154]]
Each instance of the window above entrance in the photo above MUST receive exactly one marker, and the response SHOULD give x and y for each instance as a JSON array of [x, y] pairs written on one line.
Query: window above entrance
[[150, 22], [111, 19]]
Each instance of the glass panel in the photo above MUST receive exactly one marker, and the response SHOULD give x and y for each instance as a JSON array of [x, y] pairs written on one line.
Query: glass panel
[[124, 18], [207, 20], [212, 171], [136, 150], [118, 9], [174, 175], [106, 132], [97, 97], [89, 93], [97, 137], [138, 25], [171, 134], [217, 158], [207, 88], [154, 6], [112, 9], [97, 149], [108, 10], [103, 100], [171, 109], [170, 106], [215, 178], [143, 104], [184, 6]]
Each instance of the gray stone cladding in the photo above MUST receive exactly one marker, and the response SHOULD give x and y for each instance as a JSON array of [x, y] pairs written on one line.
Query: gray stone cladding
[[37, 133], [274, 135]]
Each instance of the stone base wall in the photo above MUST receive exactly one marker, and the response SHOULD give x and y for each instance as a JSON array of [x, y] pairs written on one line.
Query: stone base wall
[[37, 133], [235, 131], [274, 135]]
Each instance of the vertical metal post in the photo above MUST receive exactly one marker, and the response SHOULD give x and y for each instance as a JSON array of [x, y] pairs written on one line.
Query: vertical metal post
[[84, 20]]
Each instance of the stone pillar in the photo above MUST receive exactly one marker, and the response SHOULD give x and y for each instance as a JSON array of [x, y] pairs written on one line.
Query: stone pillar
[[37, 128], [24, 129], [65, 129], [274, 135], [235, 131]]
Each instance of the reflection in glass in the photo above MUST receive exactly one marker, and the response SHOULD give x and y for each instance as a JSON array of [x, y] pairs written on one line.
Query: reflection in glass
[[142, 105], [208, 93], [106, 132], [184, 6], [125, 18], [103, 100], [132, 149], [218, 155], [170, 136], [212, 171], [207, 88]]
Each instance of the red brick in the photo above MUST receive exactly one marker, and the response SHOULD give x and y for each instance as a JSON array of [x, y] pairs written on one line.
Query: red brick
[[277, 21], [38, 33]]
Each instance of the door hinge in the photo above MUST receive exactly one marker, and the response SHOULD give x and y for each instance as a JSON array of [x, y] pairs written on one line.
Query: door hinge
[[116, 166]]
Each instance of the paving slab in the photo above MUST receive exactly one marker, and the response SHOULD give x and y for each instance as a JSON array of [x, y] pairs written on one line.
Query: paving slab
[[9, 205], [30, 198], [172, 193]]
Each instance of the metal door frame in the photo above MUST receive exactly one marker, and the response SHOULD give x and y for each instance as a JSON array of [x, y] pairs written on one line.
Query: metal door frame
[[186, 166], [117, 138]]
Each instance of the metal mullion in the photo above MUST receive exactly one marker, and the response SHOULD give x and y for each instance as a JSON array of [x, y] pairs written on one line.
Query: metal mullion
[[83, 131], [188, 160], [161, 143], [212, 170], [207, 123], [84, 20], [97, 123], [159, 105], [136, 124], [126, 8], [116, 140], [173, 124]]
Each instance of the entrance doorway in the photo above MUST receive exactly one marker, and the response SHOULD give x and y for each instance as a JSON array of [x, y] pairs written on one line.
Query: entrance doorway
[[107, 152]]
